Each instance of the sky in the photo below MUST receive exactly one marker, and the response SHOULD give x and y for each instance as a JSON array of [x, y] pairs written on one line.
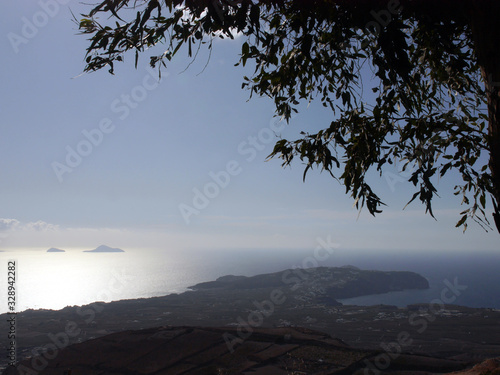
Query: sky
[[131, 161]]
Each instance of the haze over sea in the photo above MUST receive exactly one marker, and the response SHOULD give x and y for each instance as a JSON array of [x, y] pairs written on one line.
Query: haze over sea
[[55, 280]]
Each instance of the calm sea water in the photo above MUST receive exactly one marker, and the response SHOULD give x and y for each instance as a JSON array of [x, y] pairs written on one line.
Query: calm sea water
[[56, 280]]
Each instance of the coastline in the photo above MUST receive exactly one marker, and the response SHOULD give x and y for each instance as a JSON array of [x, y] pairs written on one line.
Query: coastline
[[432, 325]]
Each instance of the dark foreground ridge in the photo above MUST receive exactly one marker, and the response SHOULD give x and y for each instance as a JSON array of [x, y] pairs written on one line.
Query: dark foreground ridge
[[204, 351]]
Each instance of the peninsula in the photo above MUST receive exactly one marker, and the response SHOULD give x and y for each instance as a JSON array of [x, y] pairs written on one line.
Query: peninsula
[[326, 284]]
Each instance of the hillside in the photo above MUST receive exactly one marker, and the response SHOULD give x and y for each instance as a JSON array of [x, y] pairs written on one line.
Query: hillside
[[209, 351]]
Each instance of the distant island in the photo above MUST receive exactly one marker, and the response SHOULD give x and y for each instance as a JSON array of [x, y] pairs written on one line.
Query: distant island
[[105, 249], [55, 250]]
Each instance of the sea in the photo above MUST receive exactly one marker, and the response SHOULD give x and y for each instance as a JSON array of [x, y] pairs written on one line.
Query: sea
[[55, 280]]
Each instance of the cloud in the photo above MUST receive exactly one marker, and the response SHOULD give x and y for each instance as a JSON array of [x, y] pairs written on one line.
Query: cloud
[[40, 226], [8, 224], [16, 225]]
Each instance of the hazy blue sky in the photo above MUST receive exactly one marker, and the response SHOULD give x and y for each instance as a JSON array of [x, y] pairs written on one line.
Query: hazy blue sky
[[95, 158]]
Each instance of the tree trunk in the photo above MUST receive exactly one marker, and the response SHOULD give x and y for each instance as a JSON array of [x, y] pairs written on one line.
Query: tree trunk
[[484, 20], [494, 137]]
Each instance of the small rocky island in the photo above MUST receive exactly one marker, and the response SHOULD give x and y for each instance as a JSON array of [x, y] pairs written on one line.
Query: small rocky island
[[105, 249], [55, 250]]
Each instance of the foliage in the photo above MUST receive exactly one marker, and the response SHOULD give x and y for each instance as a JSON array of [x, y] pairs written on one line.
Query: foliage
[[429, 110]]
